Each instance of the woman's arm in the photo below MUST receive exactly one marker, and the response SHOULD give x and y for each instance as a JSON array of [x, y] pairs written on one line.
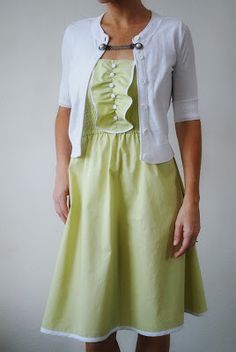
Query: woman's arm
[[63, 150], [187, 224]]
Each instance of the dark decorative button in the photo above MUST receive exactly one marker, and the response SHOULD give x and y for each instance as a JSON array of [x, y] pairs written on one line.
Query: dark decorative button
[[138, 45], [102, 46]]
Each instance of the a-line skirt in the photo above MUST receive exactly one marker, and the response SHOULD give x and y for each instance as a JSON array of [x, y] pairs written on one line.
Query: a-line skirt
[[115, 267]]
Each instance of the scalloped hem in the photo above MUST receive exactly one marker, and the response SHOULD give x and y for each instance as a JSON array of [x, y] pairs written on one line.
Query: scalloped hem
[[101, 338]]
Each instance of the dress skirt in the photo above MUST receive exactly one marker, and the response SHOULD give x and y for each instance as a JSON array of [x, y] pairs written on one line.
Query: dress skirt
[[115, 267]]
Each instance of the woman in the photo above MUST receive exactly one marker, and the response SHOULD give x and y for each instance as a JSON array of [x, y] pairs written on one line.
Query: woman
[[127, 258]]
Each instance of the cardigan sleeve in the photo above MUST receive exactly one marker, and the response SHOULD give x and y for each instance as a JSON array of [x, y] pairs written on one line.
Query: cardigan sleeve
[[64, 95], [184, 78]]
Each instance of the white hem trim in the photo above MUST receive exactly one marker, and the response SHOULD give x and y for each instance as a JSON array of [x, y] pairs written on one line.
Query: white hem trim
[[101, 338]]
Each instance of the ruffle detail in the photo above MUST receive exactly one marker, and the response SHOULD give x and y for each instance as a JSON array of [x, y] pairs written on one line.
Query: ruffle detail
[[111, 103]]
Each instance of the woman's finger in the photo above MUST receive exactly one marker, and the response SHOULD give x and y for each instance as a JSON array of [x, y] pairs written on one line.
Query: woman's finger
[[185, 245], [178, 234], [59, 211], [62, 207]]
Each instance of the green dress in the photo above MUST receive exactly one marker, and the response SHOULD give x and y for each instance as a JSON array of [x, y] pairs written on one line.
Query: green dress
[[115, 268]]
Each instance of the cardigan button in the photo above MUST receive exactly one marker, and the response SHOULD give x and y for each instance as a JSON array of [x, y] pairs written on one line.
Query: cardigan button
[[145, 130], [138, 45], [137, 37], [102, 46], [113, 65]]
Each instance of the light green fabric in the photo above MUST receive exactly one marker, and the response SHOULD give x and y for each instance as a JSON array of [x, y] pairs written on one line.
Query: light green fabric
[[114, 268], [101, 94]]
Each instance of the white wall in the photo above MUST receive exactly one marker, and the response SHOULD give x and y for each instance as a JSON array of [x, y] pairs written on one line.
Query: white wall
[[30, 39]]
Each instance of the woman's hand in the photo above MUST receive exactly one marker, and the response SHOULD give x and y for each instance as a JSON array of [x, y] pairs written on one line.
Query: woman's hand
[[187, 227], [61, 192]]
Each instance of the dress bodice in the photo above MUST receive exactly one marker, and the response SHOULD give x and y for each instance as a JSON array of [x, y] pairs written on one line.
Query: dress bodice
[[111, 104]]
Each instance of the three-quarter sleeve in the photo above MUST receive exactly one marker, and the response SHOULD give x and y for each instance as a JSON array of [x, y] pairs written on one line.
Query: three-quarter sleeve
[[184, 78], [64, 95]]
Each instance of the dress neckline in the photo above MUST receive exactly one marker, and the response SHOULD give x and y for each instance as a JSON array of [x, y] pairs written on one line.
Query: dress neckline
[[116, 59]]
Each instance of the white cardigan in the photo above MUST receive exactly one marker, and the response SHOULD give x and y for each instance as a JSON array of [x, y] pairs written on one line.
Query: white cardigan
[[165, 72]]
